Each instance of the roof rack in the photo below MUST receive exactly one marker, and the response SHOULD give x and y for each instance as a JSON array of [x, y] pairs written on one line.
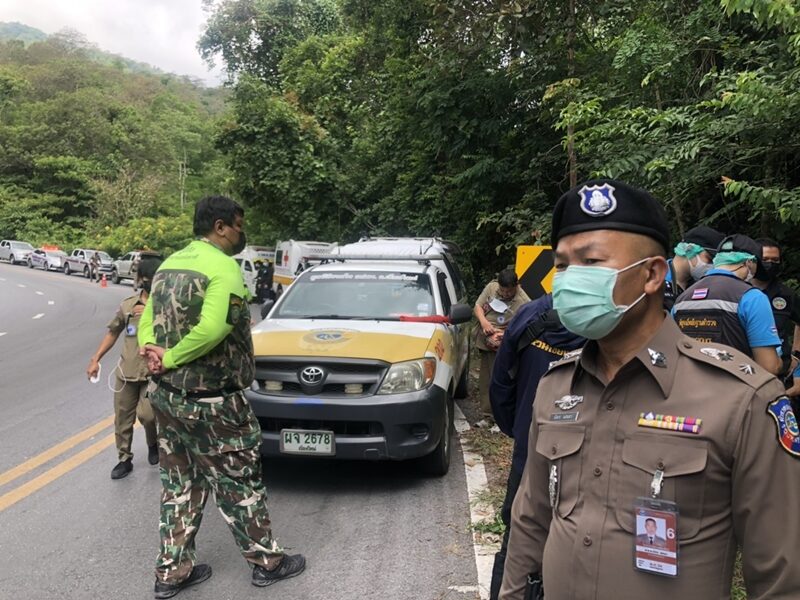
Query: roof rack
[[420, 258]]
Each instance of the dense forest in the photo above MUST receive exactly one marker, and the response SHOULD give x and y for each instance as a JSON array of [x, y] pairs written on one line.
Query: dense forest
[[460, 118], [98, 150]]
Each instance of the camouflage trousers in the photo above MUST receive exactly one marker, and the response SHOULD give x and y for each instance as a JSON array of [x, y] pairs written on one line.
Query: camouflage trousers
[[206, 445]]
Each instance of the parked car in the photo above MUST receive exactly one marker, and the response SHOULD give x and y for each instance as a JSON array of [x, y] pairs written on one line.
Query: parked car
[[15, 252], [78, 262], [125, 266], [363, 354], [47, 259]]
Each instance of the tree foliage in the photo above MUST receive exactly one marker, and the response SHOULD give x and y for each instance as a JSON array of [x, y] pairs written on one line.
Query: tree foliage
[[464, 118], [91, 141]]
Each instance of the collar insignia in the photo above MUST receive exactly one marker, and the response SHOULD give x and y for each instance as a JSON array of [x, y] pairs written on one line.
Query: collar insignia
[[657, 358]]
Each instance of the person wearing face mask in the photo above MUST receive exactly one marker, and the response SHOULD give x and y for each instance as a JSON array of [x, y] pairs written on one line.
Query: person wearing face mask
[[784, 301], [195, 335], [692, 260], [647, 423], [725, 308], [130, 374]]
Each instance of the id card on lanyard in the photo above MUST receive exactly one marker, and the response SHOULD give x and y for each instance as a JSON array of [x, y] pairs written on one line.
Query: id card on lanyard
[[656, 541]]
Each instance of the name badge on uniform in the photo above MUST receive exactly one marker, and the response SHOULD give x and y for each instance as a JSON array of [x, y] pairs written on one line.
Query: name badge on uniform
[[130, 330], [655, 543]]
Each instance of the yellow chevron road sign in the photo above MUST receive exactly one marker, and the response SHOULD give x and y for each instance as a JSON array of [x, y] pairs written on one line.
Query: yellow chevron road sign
[[535, 270]]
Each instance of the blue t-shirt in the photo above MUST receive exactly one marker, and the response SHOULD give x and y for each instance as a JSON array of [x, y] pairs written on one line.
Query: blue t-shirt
[[755, 314]]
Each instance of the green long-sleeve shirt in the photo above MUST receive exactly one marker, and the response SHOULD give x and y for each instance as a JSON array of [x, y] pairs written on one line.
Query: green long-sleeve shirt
[[198, 312]]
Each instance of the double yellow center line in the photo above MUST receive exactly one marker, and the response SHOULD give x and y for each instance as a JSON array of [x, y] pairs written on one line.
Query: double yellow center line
[[28, 488]]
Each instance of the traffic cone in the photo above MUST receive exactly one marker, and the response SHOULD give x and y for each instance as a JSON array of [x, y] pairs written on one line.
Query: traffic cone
[[103, 282]]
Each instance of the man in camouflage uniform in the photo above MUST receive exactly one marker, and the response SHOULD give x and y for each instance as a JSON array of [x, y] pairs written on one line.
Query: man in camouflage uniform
[[195, 334]]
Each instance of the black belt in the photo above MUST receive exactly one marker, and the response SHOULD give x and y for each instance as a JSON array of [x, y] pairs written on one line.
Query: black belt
[[193, 394]]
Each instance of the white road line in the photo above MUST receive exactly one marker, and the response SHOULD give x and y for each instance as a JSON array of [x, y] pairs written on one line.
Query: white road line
[[40, 293], [2, 278], [2, 333], [50, 302], [21, 285], [479, 511], [39, 316]]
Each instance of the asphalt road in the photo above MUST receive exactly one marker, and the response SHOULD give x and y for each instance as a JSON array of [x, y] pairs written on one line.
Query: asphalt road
[[67, 531]]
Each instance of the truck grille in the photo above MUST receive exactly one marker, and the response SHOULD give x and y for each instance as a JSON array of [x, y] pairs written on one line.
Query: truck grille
[[341, 378], [363, 428]]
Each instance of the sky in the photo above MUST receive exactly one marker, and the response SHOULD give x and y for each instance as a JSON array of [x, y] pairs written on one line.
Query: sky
[[162, 33]]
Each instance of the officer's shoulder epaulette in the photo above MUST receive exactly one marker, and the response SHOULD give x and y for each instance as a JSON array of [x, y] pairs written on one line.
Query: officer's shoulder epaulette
[[570, 358], [726, 359], [134, 299]]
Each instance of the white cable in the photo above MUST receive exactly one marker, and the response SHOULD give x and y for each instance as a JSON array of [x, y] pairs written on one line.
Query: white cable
[[110, 375]]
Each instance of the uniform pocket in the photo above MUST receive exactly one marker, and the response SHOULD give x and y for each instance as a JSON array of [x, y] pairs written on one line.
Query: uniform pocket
[[561, 445], [683, 462]]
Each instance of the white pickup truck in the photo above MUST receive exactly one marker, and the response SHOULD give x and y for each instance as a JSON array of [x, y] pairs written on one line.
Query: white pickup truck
[[78, 262]]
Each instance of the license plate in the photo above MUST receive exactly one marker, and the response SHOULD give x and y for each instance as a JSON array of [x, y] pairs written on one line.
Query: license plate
[[303, 441]]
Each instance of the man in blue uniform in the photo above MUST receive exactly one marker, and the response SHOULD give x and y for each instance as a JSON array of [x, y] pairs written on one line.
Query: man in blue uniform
[[693, 259], [725, 308], [534, 339]]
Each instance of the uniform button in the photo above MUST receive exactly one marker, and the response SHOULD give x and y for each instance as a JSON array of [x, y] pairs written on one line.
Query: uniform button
[[598, 471], [587, 541], [554, 449], [687, 345], [660, 465], [610, 406]]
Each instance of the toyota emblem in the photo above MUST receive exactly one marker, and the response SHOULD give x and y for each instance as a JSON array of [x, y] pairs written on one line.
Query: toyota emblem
[[311, 375]]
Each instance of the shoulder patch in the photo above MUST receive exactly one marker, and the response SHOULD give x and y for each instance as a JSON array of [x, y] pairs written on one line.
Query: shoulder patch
[[726, 359], [786, 423], [567, 359]]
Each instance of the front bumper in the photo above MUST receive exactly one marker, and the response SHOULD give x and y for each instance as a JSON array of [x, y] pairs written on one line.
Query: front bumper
[[393, 427]]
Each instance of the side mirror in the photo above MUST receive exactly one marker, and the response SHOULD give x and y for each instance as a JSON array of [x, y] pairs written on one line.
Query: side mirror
[[266, 307], [460, 313]]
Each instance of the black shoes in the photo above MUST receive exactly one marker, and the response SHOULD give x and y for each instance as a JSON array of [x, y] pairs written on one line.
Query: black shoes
[[290, 566], [152, 454], [122, 469], [198, 575]]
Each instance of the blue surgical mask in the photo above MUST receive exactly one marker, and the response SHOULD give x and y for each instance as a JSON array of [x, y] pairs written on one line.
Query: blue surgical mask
[[583, 297]]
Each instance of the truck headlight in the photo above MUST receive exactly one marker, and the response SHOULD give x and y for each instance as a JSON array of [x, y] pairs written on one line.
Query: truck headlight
[[409, 376]]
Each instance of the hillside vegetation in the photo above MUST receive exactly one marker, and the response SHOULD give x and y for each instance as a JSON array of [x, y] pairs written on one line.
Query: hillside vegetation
[[97, 149]]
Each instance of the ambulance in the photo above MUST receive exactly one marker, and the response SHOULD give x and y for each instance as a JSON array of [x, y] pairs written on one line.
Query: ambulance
[[292, 257], [362, 356]]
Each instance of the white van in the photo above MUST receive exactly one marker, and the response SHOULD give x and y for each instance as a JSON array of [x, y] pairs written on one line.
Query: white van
[[292, 258], [247, 262]]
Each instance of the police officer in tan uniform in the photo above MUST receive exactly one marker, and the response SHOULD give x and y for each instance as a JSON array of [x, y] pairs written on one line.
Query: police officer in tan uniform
[[495, 307], [130, 373], [648, 425]]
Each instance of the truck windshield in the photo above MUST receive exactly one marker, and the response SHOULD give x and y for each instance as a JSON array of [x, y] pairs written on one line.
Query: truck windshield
[[358, 295]]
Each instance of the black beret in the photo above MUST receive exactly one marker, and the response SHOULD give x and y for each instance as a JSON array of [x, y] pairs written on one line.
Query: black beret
[[706, 237], [609, 204]]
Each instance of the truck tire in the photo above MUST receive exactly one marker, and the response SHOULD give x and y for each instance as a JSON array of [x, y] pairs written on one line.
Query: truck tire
[[12, 260], [86, 272], [67, 270], [462, 388], [437, 463], [115, 277], [30, 263]]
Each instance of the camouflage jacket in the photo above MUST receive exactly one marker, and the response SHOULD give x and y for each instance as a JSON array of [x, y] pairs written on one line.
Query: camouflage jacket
[[197, 311]]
